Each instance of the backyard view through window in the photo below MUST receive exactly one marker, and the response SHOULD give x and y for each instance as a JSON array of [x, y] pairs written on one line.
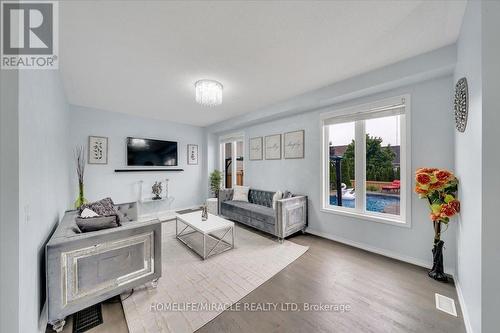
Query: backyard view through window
[[342, 175], [366, 149], [383, 182]]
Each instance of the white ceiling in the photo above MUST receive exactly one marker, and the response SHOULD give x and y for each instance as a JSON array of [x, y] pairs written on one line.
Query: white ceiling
[[143, 57]]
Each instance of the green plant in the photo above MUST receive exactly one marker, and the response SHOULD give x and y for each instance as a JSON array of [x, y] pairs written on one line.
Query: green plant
[[378, 160], [397, 173], [378, 163], [215, 182]]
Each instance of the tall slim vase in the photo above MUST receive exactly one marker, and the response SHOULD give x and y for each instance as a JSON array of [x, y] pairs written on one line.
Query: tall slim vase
[[437, 271], [81, 198]]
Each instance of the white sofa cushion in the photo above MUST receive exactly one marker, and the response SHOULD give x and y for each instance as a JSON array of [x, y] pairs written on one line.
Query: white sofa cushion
[[86, 213], [241, 193]]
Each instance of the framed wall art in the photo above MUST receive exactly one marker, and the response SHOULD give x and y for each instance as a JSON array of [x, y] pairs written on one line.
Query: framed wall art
[[192, 154], [255, 149], [293, 144], [272, 146], [98, 150]]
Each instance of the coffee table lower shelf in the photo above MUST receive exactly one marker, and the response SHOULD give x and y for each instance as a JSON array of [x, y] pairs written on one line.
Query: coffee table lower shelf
[[183, 232]]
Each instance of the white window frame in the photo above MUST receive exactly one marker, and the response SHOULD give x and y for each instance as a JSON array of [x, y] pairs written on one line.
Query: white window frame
[[359, 114], [233, 139]]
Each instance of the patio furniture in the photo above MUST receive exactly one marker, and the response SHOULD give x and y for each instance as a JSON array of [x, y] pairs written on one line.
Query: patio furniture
[[286, 218], [84, 269], [394, 187], [208, 229]]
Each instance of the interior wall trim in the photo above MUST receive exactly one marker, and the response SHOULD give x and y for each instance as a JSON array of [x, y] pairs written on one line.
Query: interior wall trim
[[463, 307]]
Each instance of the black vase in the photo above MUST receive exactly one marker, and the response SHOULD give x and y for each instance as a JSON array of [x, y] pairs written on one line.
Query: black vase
[[437, 271]]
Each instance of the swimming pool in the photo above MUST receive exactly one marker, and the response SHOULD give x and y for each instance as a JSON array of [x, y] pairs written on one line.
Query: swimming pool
[[374, 202]]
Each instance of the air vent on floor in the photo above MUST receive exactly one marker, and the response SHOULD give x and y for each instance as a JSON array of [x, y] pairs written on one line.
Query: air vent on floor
[[446, 304], [87, 318]]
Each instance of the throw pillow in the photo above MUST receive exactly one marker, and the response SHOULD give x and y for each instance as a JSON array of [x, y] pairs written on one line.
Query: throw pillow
[[107, 216], [88, 213], [96, 223], [104, 207], [240, 193], [277, 196], [287, 194]]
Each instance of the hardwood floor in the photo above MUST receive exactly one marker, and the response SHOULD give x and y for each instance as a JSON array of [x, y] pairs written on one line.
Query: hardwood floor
[[384, 295]]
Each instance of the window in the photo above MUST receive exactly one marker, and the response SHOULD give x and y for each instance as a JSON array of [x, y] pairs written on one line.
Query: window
[[232, 153], [365, 161], [341, 149]]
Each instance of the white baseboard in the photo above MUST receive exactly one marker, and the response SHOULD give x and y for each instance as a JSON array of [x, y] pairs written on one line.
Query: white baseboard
[[463, 307], [377, 250]]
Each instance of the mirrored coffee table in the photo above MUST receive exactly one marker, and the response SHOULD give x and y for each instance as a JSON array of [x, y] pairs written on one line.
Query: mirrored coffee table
[[205, 238]]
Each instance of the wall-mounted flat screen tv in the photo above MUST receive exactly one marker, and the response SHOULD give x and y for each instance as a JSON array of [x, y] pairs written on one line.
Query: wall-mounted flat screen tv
[[148, 152]]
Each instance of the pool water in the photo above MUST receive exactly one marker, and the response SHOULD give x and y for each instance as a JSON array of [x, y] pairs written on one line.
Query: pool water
[[374, 202]]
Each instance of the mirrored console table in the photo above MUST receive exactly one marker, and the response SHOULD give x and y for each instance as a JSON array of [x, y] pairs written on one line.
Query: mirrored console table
[[150, 206]]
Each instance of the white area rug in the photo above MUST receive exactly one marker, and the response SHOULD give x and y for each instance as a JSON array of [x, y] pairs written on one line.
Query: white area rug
[[221, 280]]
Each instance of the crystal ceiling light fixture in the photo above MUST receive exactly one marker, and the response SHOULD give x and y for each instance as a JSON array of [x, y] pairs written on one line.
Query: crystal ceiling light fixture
[[208, 92]]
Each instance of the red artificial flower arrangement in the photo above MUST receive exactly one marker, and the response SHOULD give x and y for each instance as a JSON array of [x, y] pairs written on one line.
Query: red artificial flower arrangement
[[440, 188]]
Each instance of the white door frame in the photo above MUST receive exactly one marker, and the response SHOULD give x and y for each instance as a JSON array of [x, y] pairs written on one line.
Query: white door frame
[[233, 139]]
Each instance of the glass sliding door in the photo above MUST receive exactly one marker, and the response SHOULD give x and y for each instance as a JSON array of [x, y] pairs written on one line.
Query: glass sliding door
[[227, 164], [232, 162], [239, 162]]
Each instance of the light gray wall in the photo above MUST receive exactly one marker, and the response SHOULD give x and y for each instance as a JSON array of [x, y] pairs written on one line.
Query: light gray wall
[[101, 181], [43, 174], [9, 201], [432, 145], [417, 69], [210, 149], [468, 167], [491, 166]]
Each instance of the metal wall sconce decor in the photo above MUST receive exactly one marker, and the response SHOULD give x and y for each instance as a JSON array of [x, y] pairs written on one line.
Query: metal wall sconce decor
[[461, 104]]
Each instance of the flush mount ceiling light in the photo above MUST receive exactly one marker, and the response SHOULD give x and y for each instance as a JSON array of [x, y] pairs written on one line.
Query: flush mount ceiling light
[[208, 92]]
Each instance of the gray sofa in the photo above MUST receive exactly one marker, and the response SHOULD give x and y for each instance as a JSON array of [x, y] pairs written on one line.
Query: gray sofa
[[288, 217], [86, 268]]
